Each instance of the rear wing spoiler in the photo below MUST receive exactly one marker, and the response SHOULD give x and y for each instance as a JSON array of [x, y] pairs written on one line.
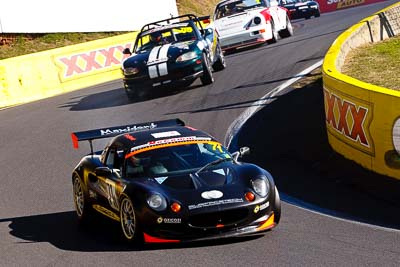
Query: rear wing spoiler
[[117, 130]]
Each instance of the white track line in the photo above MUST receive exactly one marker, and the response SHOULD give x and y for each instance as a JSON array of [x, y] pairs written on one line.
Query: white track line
[[239, 122]]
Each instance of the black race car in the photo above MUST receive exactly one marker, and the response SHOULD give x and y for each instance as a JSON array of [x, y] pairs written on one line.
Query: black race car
[[301, 8], [171, 51], [167, 182]]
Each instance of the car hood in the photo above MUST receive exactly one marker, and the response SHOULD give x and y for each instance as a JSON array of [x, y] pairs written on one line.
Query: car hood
[[237, 22], [160, 54]]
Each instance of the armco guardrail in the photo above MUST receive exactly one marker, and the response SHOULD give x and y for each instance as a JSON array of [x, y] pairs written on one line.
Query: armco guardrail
[[44, 74], [363, 120]]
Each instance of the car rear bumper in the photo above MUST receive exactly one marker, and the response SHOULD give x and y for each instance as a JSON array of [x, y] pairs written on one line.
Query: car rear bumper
[[253, 36]]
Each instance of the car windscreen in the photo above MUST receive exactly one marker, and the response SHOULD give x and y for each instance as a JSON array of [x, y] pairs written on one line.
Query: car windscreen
[[174, 159], [165, 35], [234, 7]]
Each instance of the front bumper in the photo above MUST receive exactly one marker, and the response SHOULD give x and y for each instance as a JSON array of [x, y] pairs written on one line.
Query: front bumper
[[247, 219], [187, 71]]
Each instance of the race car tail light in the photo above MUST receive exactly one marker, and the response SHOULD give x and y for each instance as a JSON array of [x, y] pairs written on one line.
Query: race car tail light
[[261, 31], [249, 196], [175, 207]]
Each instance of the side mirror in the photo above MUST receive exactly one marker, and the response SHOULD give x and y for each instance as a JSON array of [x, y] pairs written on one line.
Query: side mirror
[[127, 51], [103, 171], [242, 151]]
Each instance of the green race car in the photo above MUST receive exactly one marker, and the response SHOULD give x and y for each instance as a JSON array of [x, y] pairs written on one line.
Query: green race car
[[175, 50]]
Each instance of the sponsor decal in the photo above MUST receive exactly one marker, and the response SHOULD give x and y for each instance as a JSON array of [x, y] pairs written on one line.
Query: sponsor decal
[[213, 194], [130, 137], [161, 220], [215, 203], [349, 119], [165, 134], [172, 220], [171, 140], [78, 65], [128, 129], [264, 206], [106, 212], [256, 209], [160, 180]]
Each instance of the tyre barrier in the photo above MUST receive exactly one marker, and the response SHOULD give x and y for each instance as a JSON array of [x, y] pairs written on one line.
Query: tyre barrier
[[363, 120], [40, 75]]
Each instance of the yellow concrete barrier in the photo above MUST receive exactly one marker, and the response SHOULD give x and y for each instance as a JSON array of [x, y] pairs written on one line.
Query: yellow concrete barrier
[[44, 74], [363, 120]]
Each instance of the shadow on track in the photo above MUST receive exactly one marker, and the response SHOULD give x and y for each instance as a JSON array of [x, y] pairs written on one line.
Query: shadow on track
[[118, 97], [288, 138], [62, 231]]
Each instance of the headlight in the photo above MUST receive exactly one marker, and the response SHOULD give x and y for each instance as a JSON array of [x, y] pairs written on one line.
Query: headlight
[[187, 56], [257, 20], [131, 71], [261, 186], [157, 202]]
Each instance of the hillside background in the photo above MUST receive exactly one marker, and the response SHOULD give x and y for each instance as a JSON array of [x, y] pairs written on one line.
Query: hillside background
[[12, 45]]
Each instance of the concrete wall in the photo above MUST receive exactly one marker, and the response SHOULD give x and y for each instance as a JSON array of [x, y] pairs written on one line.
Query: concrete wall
[[363, 120]]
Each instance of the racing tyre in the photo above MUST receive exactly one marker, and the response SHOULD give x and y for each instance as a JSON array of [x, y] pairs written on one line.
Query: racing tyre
[[207, 77], [277, 212], [288, 31], [220, 64], [275, 35], [129, 222], [317, 14], [82, 206]]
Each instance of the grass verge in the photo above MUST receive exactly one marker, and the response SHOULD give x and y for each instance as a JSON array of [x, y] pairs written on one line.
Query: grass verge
[[376, 63]]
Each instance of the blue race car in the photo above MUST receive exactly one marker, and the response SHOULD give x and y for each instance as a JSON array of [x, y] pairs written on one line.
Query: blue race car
[[170, 51]]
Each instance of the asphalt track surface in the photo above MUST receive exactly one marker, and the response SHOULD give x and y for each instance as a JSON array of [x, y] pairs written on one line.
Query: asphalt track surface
[[37, 221]]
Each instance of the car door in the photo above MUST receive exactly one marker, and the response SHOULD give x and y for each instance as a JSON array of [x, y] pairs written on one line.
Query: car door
[[107, 180]]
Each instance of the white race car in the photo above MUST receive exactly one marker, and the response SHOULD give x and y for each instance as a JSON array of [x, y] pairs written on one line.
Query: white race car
[[242, 23]]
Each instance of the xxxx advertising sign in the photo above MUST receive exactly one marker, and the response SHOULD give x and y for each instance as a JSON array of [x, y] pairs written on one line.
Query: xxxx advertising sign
[[349, 120], [333, 5]]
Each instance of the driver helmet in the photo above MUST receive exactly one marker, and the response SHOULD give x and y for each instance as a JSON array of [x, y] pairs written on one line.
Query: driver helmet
[[155, 37]]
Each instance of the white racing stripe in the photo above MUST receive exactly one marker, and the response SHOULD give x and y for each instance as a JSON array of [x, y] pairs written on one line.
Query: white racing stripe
[[163, 55], [158, 54], [153, 56]]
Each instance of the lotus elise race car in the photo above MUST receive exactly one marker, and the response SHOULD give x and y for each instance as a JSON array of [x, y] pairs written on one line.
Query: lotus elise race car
[[173, 50], [301, 8], [167, 182], [243, 23]]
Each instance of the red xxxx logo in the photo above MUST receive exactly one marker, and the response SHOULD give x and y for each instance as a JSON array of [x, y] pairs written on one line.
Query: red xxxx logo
[[347, 118]]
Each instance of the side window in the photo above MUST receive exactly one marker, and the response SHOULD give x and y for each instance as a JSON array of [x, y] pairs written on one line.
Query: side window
[[114, 158]]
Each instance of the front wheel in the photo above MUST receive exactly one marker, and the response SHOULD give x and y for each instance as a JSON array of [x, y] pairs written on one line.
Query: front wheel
[[129, 220], [207, 77]]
